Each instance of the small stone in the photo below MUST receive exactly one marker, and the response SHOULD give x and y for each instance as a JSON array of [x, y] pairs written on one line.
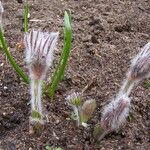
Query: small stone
[[57, 121], [5, 87], [1, 64], [4, 113]]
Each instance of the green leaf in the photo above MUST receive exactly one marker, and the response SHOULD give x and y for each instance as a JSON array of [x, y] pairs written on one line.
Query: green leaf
[[26, 14], [59, 72], [11, 59]]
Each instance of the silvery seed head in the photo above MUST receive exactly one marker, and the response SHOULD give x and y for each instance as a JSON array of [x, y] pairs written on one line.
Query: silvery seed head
[[140, 66], [115, 113], [39, 51]]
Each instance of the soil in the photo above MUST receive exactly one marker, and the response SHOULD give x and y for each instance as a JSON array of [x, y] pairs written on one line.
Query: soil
[[106, 35]]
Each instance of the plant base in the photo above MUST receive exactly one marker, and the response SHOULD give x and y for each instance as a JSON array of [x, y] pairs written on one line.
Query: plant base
[[36, 126]]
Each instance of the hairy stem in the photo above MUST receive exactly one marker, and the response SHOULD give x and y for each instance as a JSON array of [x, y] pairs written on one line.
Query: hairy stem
[[76, 110], [36, 105]]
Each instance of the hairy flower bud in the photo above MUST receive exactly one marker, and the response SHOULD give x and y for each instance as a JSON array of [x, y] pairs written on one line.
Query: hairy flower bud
[[140, 66], [39, 51], [74, 99], [87, 110], [115, 113]]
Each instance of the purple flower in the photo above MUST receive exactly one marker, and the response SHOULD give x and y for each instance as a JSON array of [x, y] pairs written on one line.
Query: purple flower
[[115, 113], [39, 51], [140, 66]]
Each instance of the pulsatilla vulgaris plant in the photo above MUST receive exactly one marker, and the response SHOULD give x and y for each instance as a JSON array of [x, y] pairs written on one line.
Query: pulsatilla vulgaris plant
[[82, 112], [115, 113], [50, 88], [39, 56]]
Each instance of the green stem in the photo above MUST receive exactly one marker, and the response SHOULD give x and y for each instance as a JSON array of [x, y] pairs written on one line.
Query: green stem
[[11, 59]]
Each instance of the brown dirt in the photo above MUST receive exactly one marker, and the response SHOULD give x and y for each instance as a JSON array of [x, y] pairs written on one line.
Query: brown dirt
[[106, 35]]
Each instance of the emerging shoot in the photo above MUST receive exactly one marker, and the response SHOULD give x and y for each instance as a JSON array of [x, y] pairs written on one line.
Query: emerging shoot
[[39, 56], [82, 112], [74, 100], [87, 110]]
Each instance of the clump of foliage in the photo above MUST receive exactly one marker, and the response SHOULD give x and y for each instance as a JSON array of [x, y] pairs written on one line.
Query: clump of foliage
[[82, 112], [39, 56]]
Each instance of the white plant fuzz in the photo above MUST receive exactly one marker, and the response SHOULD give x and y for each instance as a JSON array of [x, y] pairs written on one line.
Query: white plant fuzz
[[115, 113], [76, 110], [36, 93], [74, 100], [1, 7], [1, 13], [140, 66], [126, 87], [39, 56]]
